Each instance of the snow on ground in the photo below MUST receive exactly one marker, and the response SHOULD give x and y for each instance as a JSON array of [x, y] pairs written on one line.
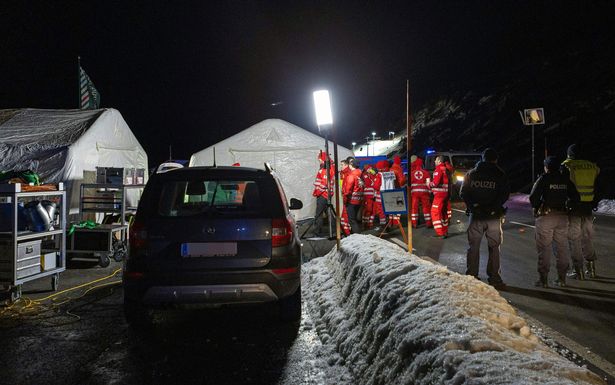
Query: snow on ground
[[393, 318], [519, 198], [605, 206]]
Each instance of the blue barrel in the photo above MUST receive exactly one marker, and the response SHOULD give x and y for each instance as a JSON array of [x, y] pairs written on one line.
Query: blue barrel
[[5, 217], [37, 217]]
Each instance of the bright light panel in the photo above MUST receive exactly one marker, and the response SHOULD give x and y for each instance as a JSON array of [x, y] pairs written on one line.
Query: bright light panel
[[322, 103]]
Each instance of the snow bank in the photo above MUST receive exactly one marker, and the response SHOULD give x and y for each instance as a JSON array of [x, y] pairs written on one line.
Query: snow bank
[[393, 318], [519, 198], [606, 206]]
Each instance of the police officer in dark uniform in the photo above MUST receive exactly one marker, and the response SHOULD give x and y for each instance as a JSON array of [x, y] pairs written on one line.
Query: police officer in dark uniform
[[485, 189], [551, 196]]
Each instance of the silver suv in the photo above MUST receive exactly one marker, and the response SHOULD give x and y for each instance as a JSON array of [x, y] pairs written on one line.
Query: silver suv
[[213, 236]]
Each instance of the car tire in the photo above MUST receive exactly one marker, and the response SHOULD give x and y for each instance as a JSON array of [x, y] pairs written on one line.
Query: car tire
[[290, 307], [137, 316]]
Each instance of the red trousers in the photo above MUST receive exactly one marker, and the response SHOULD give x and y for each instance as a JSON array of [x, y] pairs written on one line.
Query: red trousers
[[439, 216], [344, 223], [379, 213], [423, 199], [368, 213]]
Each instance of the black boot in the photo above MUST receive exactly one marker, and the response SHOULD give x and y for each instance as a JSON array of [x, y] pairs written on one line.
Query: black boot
[[543, 281], [561, 279], [591, 269], [579, 273]]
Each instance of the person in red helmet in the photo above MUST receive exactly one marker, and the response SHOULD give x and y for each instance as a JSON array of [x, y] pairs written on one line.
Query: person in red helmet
[[352, 191], [368, 176], [420, 191], [400, 178], [439, 187]]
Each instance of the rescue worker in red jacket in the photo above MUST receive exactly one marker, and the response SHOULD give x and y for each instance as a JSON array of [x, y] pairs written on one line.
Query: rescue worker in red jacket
[[321, 192], [381, 166], [400, 178], [439, 187], [420, 191], [344, 223], [449, 211], [352, 191], [368, 176]]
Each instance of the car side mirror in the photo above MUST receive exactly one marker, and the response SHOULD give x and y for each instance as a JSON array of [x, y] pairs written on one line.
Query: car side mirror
[[295, 204]]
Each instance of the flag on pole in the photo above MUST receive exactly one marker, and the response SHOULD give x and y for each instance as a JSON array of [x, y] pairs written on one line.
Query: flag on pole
[[88, 94]]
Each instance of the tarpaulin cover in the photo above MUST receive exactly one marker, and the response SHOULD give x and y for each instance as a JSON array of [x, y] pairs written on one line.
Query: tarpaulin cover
[[291, 151], [60, 144]]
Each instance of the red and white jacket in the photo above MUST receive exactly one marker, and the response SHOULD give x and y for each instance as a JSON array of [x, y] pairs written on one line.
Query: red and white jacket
[[352, 187], [320, 183], [439, 184], [418, 178], [368, 185]]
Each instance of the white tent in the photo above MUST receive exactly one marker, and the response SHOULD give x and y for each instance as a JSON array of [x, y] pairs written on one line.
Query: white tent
[[60, 144], [291, 151]]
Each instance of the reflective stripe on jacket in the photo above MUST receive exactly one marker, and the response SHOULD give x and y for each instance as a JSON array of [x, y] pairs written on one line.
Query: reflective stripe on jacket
[[583, 174]]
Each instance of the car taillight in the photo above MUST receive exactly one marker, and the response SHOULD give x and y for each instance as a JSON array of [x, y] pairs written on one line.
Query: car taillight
[[138, 236], [281, 232]]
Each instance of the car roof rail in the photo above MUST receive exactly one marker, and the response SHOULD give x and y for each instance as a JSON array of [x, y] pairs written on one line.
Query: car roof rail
[[268, 168]]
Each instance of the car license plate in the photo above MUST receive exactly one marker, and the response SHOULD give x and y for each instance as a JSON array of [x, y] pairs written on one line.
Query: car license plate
[[209, 249]]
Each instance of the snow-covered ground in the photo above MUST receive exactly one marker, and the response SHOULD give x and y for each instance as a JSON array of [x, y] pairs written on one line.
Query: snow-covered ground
[[393, 318], [605, 206]]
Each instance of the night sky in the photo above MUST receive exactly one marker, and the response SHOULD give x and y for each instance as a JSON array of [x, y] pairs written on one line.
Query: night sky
[[193, 73]]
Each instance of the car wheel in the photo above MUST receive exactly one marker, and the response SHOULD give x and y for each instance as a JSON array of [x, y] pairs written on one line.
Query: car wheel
[[290, 307], [136, 315]]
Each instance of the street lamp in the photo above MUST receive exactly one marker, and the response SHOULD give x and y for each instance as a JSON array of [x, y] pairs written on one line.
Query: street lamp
[[353, 144], [391, 135], [322, 104], [324, 121]]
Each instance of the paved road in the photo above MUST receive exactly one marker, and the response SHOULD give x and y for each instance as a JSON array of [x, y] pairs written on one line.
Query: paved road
[[583, 311], [83, 339]]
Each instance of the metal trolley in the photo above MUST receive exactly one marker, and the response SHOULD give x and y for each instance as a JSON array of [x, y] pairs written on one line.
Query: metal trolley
[[27, 255], [107, 240]]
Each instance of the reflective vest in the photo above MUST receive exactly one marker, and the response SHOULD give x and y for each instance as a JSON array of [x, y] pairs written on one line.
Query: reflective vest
[[388, 180], [583, 174]]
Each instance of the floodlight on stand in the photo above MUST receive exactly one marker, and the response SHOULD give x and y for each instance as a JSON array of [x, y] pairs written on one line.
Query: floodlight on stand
[[322, 104]]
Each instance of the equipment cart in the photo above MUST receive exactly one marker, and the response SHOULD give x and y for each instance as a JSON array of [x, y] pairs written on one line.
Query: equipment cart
[[26, 255], [105, 240]]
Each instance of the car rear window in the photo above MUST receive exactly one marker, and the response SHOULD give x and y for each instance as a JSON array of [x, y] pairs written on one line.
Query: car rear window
[[184, 198]]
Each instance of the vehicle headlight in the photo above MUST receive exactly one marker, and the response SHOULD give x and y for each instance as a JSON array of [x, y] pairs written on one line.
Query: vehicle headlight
[[459, 178]]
